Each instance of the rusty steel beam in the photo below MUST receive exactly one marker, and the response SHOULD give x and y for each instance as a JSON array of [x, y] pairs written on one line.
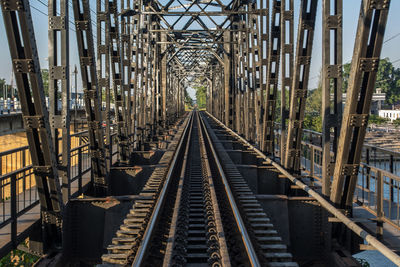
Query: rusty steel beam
[[287, 45], [332, 80], [126, 63], [59, 81], [135, 39], [227, 77], [119, 87], [271, 92], [364, 68], [305, 37], [84, 37], [103, 70], [25, 61]]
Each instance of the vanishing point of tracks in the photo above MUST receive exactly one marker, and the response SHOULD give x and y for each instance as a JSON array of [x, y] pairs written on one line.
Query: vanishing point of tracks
[[198, 212]]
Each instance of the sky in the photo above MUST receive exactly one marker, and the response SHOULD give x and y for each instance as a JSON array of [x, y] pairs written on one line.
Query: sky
[[350, 17]]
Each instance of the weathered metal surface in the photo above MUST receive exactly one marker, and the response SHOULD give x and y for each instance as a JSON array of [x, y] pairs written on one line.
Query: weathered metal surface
[[287, 47], [271, 93], [301, 73], [331, 85], [24, 55], [59, 81], [103, 70], [92, 95], [364, 67]]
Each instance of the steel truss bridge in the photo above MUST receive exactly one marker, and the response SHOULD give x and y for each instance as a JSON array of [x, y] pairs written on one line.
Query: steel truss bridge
[[221, 187]]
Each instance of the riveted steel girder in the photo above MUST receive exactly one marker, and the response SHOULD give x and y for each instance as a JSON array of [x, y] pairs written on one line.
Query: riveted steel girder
[[305, 38], [24, 55], [364, 68], [84, 36]]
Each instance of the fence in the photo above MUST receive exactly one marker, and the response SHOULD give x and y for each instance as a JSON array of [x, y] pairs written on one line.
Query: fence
[[378, 184], [18, 192]]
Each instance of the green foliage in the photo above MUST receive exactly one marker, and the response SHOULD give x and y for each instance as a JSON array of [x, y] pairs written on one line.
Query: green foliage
[[388, 79], [314, 101], [363, 262], [4, 84], [188, 99], [396, 123], [375, 119], [312, 118], [201, 92], [346, 76], [312, 122], [45, 78], [18, 258]]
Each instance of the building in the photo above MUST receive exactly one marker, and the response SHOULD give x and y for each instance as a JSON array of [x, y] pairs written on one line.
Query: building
[[390, 114], [378, 100]]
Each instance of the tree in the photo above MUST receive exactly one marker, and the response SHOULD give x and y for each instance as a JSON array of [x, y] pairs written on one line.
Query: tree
[[45, 78], [188, 99], [388, 79], [201, 92], [313, 117], [396, 123], [2, 84], [375, 119]]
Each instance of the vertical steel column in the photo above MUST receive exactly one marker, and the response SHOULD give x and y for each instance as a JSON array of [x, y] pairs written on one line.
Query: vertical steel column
[[59, 79], [126, 73], [135, 38], [250, 85], [103, 70], [84, 37], [263, 60], [118, 83], [227, 76], [155, 70], [145, 75], [305, 37], [364, 67], [287, 41], [246, 86], [24, 55], [235, 73], [256, 70], [242, 76], [271, 93], [331, 85], [164, 78]]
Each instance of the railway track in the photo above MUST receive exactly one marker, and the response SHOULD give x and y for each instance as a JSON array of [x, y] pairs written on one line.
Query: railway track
[[200, 213]]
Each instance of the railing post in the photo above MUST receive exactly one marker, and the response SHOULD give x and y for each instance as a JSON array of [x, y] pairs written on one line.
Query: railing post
[[80, 169], [2, 181], [368, 169], [391, 180], [13, 183], [312, 161], [379, 205]]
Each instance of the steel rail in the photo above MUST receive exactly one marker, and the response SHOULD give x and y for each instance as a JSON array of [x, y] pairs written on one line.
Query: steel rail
[[251, 252], [225, 260], [143, 248], [169, 247], [324, 203]]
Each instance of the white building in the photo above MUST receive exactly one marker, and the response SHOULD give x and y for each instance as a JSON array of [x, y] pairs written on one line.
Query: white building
[[390, 114]]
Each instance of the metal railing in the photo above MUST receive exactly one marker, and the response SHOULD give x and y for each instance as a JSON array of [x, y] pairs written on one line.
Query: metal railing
[[378, 185], [18, 192]]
